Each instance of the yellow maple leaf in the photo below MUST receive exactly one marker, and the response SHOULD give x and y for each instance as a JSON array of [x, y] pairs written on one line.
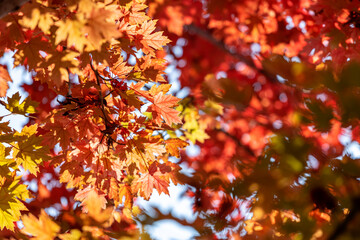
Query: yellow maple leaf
[[10, 208], [6, 218], [30, 152], [125, 192], [37, 15], [155, 89], [195, 130], [15, 106], [72, 31]]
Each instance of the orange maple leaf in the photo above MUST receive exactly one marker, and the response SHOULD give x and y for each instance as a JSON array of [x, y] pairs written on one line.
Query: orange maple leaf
[[42, 228], [99, 29], [4, 79], [91, 200], [155, 40], [162, 107], [136, 15], [173, 145], [147, 182]]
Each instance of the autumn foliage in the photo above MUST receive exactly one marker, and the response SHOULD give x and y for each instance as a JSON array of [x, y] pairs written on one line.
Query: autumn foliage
[[270, 94]]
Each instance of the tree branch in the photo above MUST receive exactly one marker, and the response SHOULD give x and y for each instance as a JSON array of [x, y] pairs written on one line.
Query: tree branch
[[341, 228], [193, 29], [102, 108], [8, 6]]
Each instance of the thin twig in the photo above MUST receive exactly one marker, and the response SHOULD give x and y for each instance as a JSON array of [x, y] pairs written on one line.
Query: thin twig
[[97, 75], [69, 83]]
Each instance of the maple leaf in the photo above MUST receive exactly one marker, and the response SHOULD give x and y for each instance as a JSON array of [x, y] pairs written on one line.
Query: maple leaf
[[173, 146], [73, 234], [42, 229], [19, 190], [162, 108], [125, 192], [37, 15], [91, 200], [10, 206], [225, 56], [70, 179], [63, 131], [3, 160], [121, 69], [154, 150], [197, 134], [14, 105], [132, 98], [195, 130], [4, 126], [28, 53], [58, 42], [135, 156], [155, 40], [114, 190], [30, 152], [146, 184], [94, 204], [86, 127], [7, 219], [100, 30], [150, 69], [59, 64], [137, 16], [4, 79], [155, 89], [137, 88], [71, 30]]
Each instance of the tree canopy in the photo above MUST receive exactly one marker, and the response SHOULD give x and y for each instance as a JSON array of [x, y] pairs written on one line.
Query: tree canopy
[[269, 96]]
